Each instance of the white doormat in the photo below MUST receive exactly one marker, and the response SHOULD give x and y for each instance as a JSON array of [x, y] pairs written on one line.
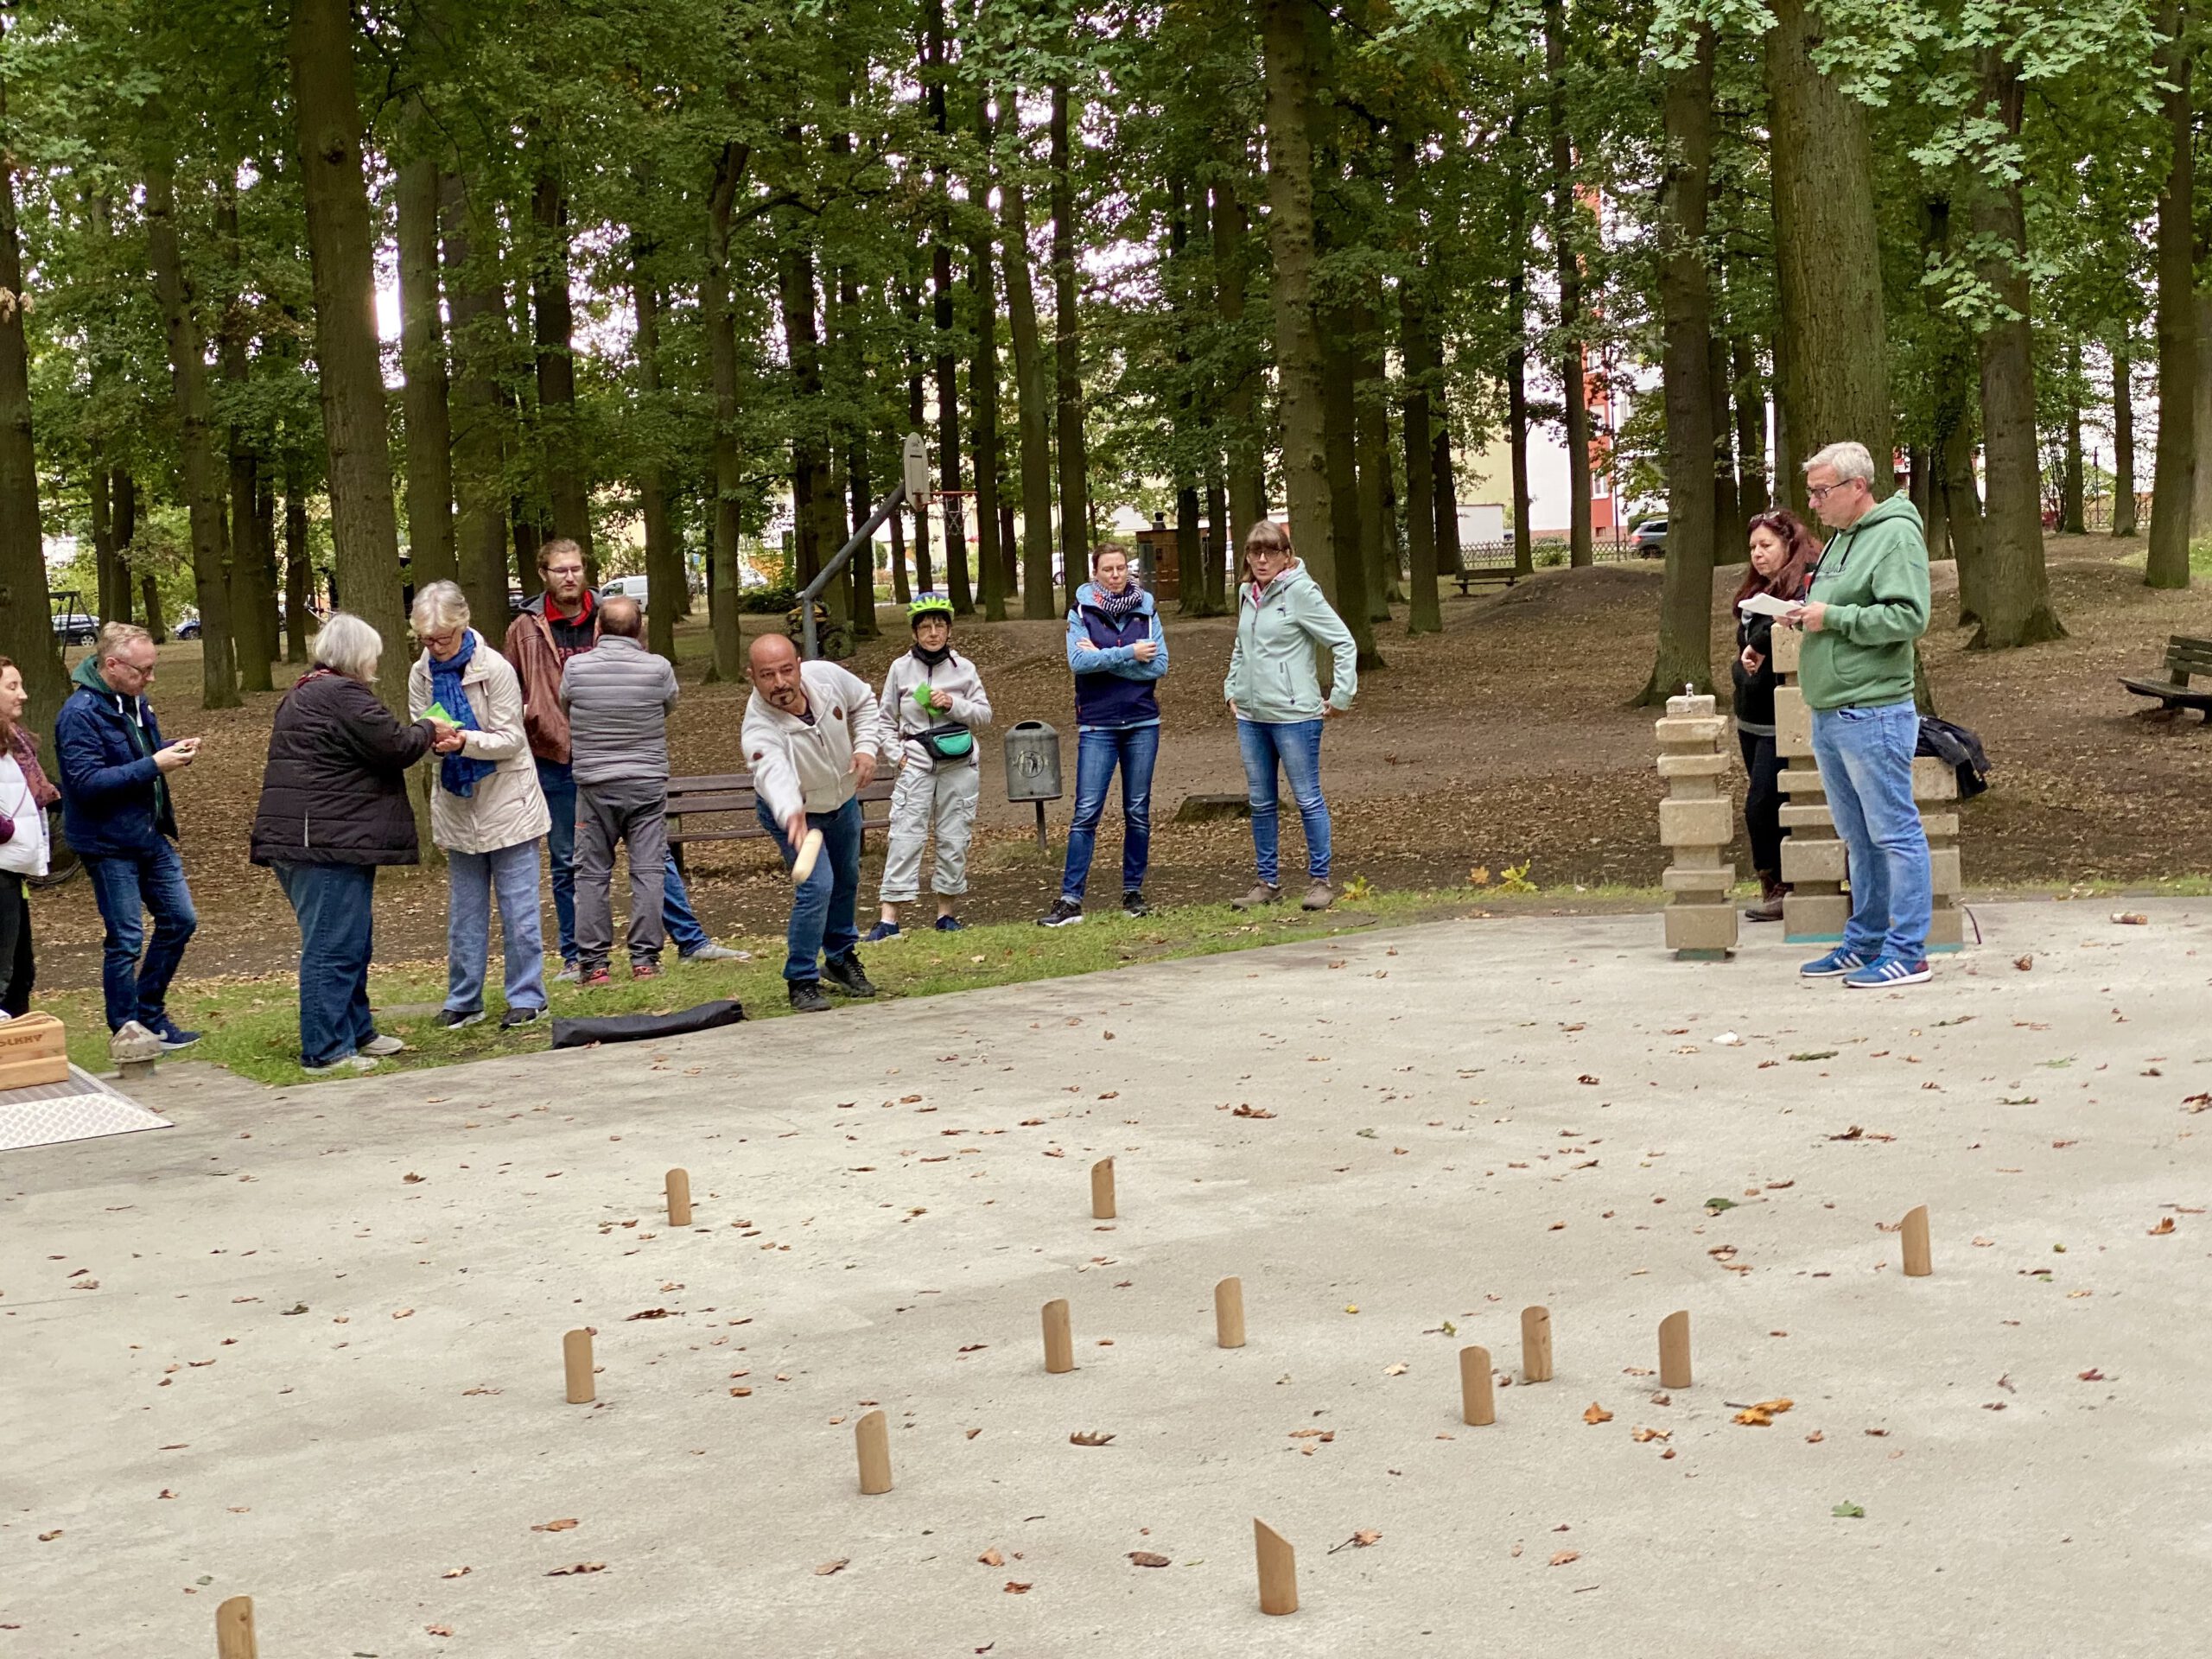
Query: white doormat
[[82, 1109]]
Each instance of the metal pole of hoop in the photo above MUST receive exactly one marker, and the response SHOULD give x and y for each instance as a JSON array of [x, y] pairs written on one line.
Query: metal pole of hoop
[[913, 486]]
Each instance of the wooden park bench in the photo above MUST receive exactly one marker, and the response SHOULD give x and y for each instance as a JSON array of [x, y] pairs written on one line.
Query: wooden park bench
[[2184, 657], [729, 794]]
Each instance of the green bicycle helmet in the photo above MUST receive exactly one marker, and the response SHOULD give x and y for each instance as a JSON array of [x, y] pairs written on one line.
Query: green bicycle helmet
[[929, 605]]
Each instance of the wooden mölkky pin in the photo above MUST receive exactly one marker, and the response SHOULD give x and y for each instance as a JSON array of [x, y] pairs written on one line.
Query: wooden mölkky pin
[[1476, 1404], [1917, 1262], [1278, 1569], [1102, 1189], [1675, 1349], [679, 1197], [576, 1361], [1059, 1338], [1228, 1313], [1537, 1344], [872, 1439], [234, 1636]]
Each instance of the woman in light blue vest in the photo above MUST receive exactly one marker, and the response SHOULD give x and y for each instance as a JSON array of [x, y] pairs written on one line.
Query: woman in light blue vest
[[1274, 692]]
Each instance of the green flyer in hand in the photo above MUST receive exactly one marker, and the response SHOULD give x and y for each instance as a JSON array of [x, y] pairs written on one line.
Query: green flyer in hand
[[437, 711]]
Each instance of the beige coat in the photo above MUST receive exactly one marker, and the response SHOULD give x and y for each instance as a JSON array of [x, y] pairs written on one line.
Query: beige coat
[[508, 807]]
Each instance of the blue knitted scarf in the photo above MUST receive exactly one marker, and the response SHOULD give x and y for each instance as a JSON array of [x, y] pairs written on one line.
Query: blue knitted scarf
[[460, 773]]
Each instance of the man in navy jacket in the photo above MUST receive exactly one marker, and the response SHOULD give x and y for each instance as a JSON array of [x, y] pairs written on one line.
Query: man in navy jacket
[[114, 775]]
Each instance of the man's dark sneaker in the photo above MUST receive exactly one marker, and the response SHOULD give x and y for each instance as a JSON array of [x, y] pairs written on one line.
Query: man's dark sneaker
[[1133, 903], [880, 933], [173, 1037], [1064, 913], [455, 1019], [844, 976], [598, 980], [807, 998], [514, 1017], [645, 968], [950, 924]]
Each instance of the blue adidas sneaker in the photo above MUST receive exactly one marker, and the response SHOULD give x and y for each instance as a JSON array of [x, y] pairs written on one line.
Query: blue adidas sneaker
[[1834, 965], [1889, 970]]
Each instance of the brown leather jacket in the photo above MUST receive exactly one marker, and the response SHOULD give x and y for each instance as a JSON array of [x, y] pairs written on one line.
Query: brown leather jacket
[[537, 662]]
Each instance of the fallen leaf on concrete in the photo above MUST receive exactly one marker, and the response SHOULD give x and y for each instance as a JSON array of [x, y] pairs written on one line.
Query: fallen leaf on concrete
[[973, 1433], [1358, 1541], [2195, 1104], [1252, 1111], [2131, 919], [1596, 1415], [403, 1314], [1015, 1588], [2023, 963], [1878, 1433], [1565, 1556], [1849, 1511], [1146, 1558], [739, 1392], [411, 1179], [1814, 1437], [580, 1567], [1088, 1437], [1763, 1414], [1853, 1133], [49, 1537], [1816, 1054], [649, 1314], [1399, 1369], [1643, 1435], [437, 1630], [837, 1565], [556, 1525], [2165, 1226], [84, 1284], [2093, 1375], [992, 1557], [1587, 1080], [458, 1573]]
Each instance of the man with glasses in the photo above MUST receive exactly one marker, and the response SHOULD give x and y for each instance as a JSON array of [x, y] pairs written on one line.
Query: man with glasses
[[561, 622], [114, 773], [1867, 608]]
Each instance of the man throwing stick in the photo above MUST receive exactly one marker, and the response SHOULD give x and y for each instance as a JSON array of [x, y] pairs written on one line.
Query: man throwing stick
[[812, 739]]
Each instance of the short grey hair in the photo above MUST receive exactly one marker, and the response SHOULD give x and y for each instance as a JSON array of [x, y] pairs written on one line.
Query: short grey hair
[[439, 607], [1848, 460], [116, 637], [348, 646]]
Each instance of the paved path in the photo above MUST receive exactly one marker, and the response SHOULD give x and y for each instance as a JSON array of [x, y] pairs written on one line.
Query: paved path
[[322, 1364]]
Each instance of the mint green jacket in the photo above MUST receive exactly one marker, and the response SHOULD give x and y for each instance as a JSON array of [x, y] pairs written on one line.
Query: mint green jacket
[[1271, 678], [1872, 578]]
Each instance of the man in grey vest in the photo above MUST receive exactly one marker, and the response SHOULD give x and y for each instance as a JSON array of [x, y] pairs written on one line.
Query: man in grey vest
[[618, 697]]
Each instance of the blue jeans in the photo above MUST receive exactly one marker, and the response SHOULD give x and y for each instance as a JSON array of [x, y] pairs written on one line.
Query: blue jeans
[[471, 880], [126, 888], [1098, 751], [822, 911], [336, 906], [1297, 745], [1865, 760], [558, 779]]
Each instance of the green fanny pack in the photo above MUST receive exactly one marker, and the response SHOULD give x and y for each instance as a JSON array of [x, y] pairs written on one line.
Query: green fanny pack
[[948, 742]]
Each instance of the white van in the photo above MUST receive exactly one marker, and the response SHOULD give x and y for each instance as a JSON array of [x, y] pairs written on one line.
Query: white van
[[626, 587]]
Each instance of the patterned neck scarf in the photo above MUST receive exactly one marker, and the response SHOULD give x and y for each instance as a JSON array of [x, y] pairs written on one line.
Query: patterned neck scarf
[[1117, 607]]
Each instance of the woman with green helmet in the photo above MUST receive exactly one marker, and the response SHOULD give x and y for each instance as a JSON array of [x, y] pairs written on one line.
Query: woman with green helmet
[[933, 700]]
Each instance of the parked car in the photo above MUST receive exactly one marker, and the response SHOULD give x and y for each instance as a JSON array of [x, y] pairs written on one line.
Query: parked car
[[75, 628], [1649, 538], [186, 628], [625, 588]]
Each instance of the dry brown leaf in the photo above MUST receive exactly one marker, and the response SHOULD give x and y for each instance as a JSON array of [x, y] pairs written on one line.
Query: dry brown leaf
[[580, 1567], [555, 1526], [1597, 1414], [437, 1630], [837, 1565], [1644, 1435], [992, 1557], [2165, 1226], [410, 1177], [1146, 1558], [2093, 1375], [1252, 1111], [1398, 1369], [1088, 1437], [2131, 919], [1015, 1588], [1565, 1556], [1814, 1437], [49, 1537], [401, 1313], [2023, 963]]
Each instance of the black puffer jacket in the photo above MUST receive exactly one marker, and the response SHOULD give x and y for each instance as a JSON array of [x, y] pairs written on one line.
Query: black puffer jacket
[[335, 788], [1755, 692]]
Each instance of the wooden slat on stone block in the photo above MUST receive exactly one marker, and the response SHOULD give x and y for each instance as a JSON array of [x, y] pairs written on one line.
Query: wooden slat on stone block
[[1692, 765], [1813, 815]]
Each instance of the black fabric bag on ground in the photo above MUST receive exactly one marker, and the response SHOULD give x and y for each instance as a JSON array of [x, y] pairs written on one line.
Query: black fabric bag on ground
[[644, 1027], [1958, 748]]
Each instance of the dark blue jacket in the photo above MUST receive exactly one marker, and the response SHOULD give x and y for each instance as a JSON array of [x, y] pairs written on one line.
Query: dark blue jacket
[[1112, 688], [114, 801]]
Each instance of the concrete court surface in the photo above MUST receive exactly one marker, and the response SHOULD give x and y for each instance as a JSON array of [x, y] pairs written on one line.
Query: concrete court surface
[[322, 1365]]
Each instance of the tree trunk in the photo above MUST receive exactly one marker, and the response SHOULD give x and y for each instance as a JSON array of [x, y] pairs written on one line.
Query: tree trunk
[[425, 399], [2200, 511], [1566, 214], [299, 570], [1685, 656], [2123, 441], [1067, 349], [814, 510], [1246, 477], [2016, 597], [1831, 338], [983, 385], [2178, 474], [1447, 489], [901, 595], [126, 535], [1729, 543], [719, 306], [477, 305], [1753, 495], [1371, 451], [567, 485], [917, 403], [1418, 353], [195, 443], [364, 526], [26, 617], [252, 608], [1516, 372], [1032, 376], [1286, 51], [1345, 586], [107, 578], [2070, 504], [1222, 559], [663, 558]]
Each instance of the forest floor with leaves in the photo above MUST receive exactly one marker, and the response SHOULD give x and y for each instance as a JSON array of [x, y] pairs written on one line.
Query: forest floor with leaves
[[1508, 741]]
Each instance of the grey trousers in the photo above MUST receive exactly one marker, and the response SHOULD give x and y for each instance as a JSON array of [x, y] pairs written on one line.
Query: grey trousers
[[943, 801], [635, 814]]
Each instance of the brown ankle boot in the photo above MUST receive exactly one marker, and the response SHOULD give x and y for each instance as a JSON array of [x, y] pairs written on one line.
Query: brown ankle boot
[[1772, 892]]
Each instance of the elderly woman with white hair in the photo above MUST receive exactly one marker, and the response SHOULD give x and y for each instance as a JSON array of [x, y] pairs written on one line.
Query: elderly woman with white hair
[[334, 808], [487, 810]]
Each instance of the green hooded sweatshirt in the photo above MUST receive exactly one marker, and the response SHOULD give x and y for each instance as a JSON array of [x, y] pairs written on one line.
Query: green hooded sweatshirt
[[1872, 578]]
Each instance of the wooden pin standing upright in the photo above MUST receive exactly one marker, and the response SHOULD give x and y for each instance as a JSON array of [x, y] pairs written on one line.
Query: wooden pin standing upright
[[872, 1439], [1228, 1313], [1537, 1344], [679, 1197], [1675, 1349], [234, 1636], [1102, 1189], [576, 1361], [1476, 1403], [1278, 1569], [1918, 1264], [1059, 1338]]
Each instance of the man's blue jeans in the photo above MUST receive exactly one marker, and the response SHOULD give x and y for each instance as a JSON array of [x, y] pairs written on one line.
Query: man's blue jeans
[[1098, 751], [1297, 745], [126, 888], [472, 879], [822, 922], [336, 906], [558, 779], [1865, 760]]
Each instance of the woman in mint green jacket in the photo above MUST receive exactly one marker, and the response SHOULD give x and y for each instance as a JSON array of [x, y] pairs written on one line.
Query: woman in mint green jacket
[[1275, 692]]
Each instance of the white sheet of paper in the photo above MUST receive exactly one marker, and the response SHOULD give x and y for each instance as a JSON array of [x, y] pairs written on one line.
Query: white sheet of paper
[[1766, 605]]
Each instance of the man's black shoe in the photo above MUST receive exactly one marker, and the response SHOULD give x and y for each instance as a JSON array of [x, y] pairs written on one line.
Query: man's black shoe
[[844, 976], [807, 998], [1133, 903]]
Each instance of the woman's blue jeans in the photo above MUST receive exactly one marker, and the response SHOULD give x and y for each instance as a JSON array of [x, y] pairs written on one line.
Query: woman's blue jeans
[[336, 906], [1098, 751], [472, 880], [1296, 746]]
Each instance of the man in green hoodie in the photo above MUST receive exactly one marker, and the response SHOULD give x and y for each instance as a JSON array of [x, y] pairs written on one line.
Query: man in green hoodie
[[1868, 606]]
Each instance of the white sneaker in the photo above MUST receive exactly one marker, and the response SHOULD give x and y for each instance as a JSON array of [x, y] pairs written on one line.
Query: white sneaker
[[350, 1063], [382, 1045]]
